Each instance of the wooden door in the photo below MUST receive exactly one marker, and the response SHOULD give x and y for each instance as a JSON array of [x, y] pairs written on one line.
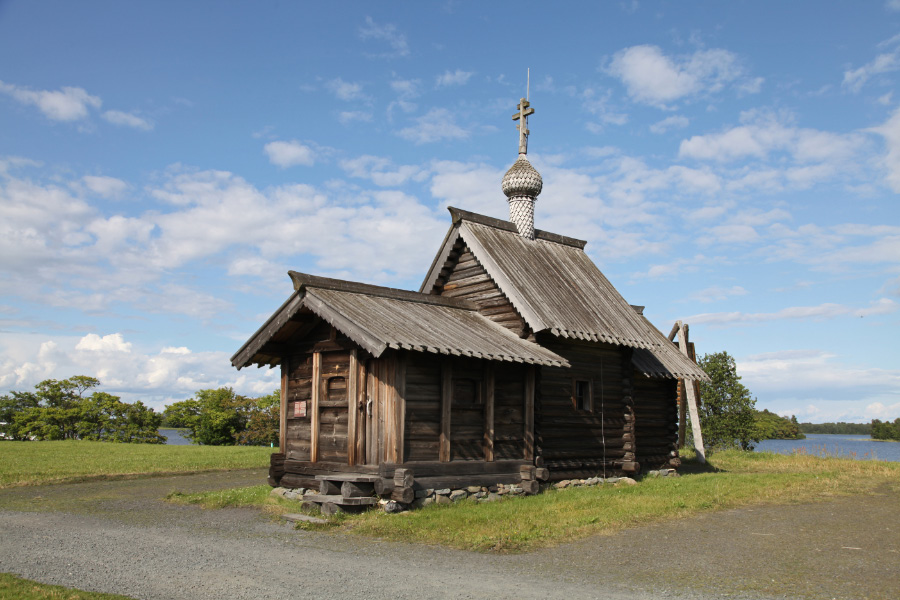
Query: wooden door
[[333, 403]]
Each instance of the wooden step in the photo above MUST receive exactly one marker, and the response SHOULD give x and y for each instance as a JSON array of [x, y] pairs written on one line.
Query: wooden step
[[340, 500], [353, 477]]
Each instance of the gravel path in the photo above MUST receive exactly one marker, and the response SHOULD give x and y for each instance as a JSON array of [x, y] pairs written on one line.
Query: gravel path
[[118, 536]]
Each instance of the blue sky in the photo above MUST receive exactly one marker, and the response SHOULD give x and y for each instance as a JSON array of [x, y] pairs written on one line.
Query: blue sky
[[162, 165]]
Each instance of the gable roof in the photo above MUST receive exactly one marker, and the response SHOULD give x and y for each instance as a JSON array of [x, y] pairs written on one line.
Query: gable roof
[[378, 318], [556, 287]]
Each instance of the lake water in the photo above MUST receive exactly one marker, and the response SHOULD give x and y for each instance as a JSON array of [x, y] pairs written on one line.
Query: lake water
[[860, 447], [174, 437]]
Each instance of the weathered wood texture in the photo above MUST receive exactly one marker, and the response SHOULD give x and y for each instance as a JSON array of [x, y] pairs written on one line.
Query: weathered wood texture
[[656, 422], [462, 276], [571, 438]]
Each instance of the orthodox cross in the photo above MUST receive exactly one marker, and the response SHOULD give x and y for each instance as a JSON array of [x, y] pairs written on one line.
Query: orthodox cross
[[522, 117]]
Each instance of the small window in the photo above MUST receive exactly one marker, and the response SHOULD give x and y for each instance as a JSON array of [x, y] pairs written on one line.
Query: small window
[[582, 398]]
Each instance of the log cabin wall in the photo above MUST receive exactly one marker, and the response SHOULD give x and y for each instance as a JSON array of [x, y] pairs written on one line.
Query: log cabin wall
[[656, 422], [585, 420], [464, 409], [462, 276], [320, 371]]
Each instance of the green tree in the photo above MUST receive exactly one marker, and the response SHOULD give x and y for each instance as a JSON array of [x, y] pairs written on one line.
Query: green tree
[[885, 430], [727, 409], [262, 417], [58, 410]]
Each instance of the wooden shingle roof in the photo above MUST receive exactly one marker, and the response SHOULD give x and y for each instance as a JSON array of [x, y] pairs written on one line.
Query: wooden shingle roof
[[556, 287], [378, 318]]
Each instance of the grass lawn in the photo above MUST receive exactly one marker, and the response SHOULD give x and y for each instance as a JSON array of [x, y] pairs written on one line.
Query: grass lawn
[[731, 479], [35, 463], [12, 587]]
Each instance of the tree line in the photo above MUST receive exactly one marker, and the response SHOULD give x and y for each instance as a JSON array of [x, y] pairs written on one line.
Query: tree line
[[61, 410], [885, 430], [72, 409]]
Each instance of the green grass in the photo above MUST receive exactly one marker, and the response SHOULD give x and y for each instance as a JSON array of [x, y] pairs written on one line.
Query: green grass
[[36, 463], [731, 479], [12, 587]]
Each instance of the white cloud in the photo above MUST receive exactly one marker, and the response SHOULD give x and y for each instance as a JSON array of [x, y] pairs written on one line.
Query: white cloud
[[387, 33], [406, 88], [117, 117], [820, 312], [154, 377], [66, 104], [345, 90], [381, 171], [114, 342], [890, 130], [290, 154], [855, 79], [106, 187], [653, 78], [673, 122], [458, 77], [438, 124]]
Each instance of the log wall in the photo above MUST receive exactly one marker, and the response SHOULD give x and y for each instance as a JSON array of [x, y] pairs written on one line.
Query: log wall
[[578, 440], [464, 277], [656, 422]]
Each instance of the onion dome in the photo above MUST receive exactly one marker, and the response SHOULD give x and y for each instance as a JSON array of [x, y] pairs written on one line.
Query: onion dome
[[522, 180]]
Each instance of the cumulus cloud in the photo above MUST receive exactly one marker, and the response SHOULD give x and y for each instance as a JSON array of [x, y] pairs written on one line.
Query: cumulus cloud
[[652, 77], [290, 154], [457, 77], [114, 342], [386, 33], [156, 377], [438, 124], [65, 104], [117, 117]]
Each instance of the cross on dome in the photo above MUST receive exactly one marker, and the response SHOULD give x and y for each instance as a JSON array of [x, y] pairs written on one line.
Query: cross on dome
[[522, 117]]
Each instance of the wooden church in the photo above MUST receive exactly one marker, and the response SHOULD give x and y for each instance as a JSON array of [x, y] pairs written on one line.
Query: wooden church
[[516, 357]]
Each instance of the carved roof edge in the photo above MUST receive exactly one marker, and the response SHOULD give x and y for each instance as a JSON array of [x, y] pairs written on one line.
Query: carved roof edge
[[459, 214], [304, 280]]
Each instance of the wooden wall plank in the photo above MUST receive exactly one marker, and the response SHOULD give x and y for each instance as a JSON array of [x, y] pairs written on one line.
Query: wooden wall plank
[[314, 408], [529, 412], [489, 385], [446, 399], [352, 431], [282, 409]]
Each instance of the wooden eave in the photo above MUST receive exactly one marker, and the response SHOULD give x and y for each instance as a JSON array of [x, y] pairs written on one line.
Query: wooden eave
[[377, 318]]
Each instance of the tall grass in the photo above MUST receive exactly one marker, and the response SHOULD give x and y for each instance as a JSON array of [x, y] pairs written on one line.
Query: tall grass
[[35, 463]]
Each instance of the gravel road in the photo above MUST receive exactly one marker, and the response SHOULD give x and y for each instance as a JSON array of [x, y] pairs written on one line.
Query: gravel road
[[118, 536]]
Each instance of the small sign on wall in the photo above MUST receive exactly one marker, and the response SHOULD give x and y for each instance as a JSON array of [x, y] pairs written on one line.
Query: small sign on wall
[[300, 409]]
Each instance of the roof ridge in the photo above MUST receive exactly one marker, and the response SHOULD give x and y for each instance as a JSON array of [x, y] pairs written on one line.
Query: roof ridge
[[304, 280], [459, 214]]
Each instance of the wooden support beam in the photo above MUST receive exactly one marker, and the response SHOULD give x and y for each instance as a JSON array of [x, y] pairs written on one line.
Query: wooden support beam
[[282, 412], [399, 403], [529, 412], [489, 411], [351, 409], [314, 407], [690, 392], [360, 408], [446, 399]]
